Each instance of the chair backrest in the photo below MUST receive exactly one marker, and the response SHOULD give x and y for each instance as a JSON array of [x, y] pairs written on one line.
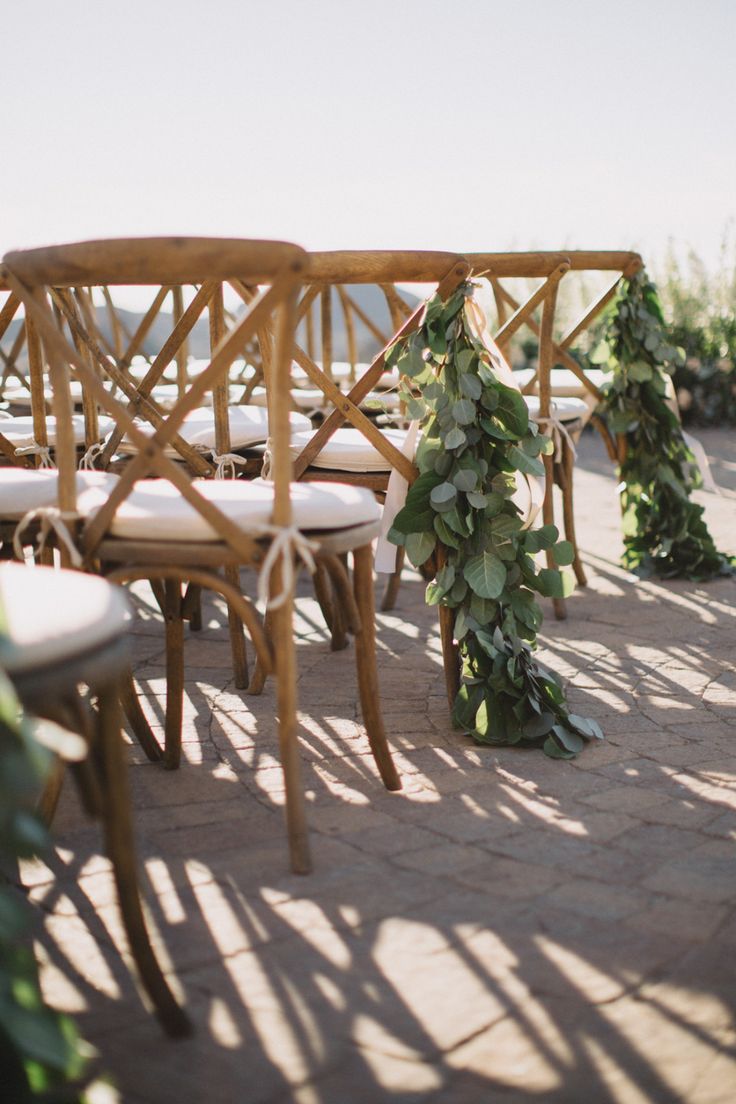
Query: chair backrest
[[340, 271], [43, 280], [550, 268]]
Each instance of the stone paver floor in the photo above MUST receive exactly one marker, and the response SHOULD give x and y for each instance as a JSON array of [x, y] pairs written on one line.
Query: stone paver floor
[[508, 928]]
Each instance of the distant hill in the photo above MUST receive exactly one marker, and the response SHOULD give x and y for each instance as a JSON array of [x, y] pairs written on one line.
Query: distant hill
[[369, 298]]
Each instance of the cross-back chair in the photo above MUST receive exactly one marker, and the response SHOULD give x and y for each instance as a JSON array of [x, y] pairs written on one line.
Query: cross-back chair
[[176, 528], [562, 408]]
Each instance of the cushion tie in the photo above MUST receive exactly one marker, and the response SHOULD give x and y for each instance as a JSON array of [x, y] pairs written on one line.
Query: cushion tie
[[287, 542], [87, 463], [557, 430], [42, 451], [226, 462], [51, 517]]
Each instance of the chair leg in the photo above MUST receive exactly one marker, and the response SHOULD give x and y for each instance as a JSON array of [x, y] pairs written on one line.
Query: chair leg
[[450, 653], [258, 679], [49, 798], [548, 516], [137, 720], [323, 593], [118, 829], [192, 607], [285, 659], [391, 590], [237, 634], [568, 515], [174, 674], [365, 661]]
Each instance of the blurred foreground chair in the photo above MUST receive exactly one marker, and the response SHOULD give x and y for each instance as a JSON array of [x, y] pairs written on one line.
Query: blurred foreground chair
[[62, 631], [175, 529]]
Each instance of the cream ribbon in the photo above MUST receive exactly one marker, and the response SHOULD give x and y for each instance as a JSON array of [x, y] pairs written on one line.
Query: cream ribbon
[[51, 518], [41, 451], [396, 492], [558, 431], [226, 462], [289, 543], [696, 448], [87, 463]]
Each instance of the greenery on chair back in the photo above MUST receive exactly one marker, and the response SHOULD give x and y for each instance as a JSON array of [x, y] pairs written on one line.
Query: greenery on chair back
[[664, 531], [39, 1049], [476, 437]]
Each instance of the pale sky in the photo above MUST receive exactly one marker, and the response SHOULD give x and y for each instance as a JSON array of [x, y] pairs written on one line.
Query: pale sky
[[380, 124]]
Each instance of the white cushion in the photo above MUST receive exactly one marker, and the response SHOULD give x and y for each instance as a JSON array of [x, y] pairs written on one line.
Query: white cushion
[[24, 489], [248, 426], [155, 510], [53, 615], [349, 450], [565, 383], [19, 431], [565, 410], [20, 396]]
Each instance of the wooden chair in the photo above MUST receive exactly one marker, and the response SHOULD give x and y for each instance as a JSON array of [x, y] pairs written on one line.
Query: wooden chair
[[62, 629], [550, 268], [176, 528]]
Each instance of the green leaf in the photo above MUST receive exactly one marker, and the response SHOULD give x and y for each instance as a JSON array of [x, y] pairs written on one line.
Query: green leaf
[[537, 540], [470, 386], [524, 463], [455, 438], [564, 553], [486, 575], [465, 479], [419, 547], [512, 410], [417, 515], [464, 411], [443, 497]]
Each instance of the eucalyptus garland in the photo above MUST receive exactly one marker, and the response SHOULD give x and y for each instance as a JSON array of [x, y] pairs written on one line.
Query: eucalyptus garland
[[476, 437], [664, 531]]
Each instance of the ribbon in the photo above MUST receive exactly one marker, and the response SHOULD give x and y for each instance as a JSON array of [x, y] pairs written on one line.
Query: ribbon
[[87, 463], [558, 431], [702, 462], [226, 462], [396, 492], [51, 518], [289, 543], [41, 451]]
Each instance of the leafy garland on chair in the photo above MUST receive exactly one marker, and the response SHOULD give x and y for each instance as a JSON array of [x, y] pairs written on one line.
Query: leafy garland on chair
[[476, 435], [664, 531]]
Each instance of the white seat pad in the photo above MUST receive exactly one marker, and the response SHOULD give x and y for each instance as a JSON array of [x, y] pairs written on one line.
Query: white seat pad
[[24, 489], [248, 426], [19, 431], [56, 615], [155, 510], [565, 383], [565, 410], [349, 450]]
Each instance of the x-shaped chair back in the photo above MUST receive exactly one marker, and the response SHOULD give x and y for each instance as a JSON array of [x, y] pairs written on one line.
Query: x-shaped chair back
[[341, 269], [551, 268], [42, 276]]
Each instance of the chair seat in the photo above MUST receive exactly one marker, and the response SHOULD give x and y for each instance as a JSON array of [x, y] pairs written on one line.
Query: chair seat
[[565, 383], [564, 410], [349, 450], [24, 489], [21, 396], [19, 431], [248, 426], [54, 616], [155, 509]]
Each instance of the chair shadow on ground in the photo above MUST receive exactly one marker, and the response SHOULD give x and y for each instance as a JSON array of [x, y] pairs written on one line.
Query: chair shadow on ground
[[474, 938]]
